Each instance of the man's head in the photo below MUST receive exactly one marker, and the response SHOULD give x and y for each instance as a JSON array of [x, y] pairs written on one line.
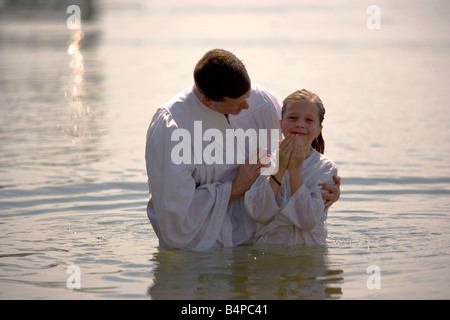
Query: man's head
[[219, 74]]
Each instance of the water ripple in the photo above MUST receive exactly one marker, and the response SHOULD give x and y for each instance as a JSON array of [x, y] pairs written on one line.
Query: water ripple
[[394, 181]]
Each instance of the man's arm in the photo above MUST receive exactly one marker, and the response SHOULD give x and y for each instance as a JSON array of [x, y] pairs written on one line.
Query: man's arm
[[188, 215], [248, 173]]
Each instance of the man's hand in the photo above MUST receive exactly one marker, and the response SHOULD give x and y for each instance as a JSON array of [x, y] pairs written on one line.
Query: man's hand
[[331, 192], [247, 173]]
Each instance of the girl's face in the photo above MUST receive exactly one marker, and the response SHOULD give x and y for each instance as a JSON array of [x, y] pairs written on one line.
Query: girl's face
[[301, 118]]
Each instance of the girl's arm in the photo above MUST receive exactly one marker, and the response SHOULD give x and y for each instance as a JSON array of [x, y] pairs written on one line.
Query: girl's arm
[[260, 201], [306, 207]]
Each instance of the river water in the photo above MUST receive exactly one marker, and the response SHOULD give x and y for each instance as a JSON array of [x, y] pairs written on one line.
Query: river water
[[75, 106]]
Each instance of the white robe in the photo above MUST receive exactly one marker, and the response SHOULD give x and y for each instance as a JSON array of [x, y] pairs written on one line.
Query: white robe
[[298, 219], [189, 203]]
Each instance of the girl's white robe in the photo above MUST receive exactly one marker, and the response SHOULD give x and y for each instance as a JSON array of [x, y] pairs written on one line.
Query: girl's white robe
[[298, 219], [189, 204]]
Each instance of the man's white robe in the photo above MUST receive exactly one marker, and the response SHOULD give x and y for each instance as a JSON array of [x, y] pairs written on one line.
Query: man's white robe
[[189, 204]]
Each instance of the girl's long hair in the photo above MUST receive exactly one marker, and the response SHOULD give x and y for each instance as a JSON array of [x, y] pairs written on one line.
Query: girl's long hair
[[305, 95]]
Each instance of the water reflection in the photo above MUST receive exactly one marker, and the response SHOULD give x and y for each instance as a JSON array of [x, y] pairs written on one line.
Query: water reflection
[[248, 272], [75, 94], [51, 96]]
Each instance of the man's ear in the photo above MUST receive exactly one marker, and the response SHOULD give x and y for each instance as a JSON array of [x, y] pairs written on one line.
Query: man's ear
[[206, 101]]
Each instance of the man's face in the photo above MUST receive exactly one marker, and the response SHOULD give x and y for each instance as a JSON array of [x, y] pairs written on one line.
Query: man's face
[[231, 106]]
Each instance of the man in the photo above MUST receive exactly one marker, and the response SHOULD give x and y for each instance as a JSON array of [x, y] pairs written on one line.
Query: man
[[194, 203]]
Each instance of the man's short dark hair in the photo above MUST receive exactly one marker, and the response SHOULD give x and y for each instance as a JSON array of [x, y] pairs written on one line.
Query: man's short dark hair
[[219, 74]]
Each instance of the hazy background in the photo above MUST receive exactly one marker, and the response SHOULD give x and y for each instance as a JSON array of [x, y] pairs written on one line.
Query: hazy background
[[75, 106]]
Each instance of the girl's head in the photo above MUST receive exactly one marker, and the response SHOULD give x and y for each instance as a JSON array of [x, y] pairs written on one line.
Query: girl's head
[[302, 114]]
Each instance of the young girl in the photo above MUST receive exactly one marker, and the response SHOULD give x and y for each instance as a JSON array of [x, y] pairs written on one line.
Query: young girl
[[288, 205]]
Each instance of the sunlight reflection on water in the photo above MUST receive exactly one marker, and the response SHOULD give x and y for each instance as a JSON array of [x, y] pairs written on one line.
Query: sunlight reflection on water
[[75, 93], [75, 106]]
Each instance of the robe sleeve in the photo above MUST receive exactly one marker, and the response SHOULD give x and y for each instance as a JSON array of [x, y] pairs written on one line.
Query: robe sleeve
[[187, 215], [260, 201], [306, 208]]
